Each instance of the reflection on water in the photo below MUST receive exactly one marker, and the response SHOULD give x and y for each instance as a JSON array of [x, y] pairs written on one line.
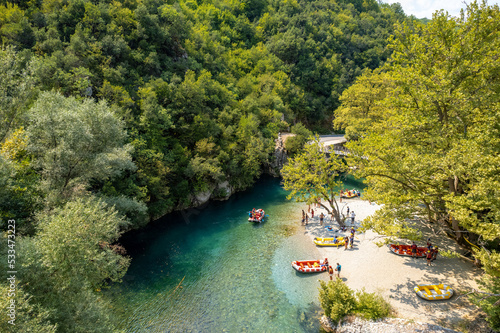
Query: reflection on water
[[210, 270]]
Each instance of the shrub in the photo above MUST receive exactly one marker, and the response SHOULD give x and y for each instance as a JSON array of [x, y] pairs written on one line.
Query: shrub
[[337, 299], [371, 306]]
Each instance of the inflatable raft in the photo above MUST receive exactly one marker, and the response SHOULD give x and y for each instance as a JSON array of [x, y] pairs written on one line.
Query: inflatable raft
[[329, 241], [310, 266], [349, 195], [256, 215], [405, 250], [432, 292]]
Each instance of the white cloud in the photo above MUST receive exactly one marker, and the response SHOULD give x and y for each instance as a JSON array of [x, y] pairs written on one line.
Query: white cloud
[[425, 8]]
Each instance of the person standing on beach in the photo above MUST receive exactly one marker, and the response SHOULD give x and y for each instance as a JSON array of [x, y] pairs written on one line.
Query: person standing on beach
[[414, 250], [338, 269], [307, 218], [429, 257], [351, 239], [312, 213], [321, 217], [346, 242], [352, 216], [330, 271], [348, 210], [435, 253]]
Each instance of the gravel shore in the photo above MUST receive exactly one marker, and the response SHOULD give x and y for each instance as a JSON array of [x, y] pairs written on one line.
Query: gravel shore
[[377, 269]]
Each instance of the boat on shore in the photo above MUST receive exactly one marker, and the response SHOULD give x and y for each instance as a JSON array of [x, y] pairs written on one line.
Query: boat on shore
[[330, 241], [432, 292], [405, 250], [310, 266]]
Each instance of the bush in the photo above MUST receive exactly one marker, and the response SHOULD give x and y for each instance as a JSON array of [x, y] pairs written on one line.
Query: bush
[[371, 306], [338, 301], [491, 284]]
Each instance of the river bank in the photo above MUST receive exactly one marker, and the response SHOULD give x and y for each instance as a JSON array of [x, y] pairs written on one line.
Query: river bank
[[377, 269]]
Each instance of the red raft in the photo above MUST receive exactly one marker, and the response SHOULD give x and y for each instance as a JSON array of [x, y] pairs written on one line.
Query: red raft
[[405, 250], [310, 266]]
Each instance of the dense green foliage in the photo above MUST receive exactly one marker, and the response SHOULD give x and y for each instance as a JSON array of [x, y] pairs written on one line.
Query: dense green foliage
[[203, 88], [339, 301], [428, 138], [312, 178], [294, 144], [114, 113]]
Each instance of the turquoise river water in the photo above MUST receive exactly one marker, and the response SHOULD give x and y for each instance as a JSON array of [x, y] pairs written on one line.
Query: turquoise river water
[[210, 270]]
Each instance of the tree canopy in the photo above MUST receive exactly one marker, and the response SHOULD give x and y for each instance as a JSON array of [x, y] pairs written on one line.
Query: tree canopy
[[427, 131], [311, 177], [113, 114]]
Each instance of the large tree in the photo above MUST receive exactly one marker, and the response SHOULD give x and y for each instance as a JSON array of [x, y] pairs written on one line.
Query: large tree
[[74, 142], [434, 150], [313, 177], [16, 89]]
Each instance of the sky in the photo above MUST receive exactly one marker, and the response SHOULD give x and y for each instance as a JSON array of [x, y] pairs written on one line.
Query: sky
[[425, 8]]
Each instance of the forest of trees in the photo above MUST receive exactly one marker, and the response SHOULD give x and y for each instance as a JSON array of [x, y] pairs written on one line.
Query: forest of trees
[[114, 113], [425, 135]]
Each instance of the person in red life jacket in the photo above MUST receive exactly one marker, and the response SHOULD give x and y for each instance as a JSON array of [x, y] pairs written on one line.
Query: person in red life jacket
[[414, 250], [429, 257]]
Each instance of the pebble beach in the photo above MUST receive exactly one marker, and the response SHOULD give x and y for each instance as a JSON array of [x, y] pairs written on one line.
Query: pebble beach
[[377, 269]]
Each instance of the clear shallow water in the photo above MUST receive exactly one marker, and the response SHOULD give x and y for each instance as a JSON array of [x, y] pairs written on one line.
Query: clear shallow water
[[236, 275]]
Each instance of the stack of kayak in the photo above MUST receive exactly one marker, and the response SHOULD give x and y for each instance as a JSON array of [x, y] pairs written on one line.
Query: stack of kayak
[[310, 266], [256, 215], [405, 250]]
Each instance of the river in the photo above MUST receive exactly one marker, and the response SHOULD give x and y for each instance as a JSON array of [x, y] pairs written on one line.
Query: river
[[210, 270]]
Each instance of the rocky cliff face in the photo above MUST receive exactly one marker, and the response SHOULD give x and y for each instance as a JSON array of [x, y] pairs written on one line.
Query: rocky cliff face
[[280, 157]]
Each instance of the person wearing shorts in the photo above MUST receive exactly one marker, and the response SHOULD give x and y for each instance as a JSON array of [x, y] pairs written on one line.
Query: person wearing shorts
[[429, 257], [330, 271], [435, 253], [414, 250], [337, 269]]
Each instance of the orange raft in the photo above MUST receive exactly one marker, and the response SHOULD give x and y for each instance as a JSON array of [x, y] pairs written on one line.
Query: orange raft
[[405, 250], [310, 266]]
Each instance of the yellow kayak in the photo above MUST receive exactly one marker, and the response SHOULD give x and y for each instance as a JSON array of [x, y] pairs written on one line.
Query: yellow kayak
[[329, 241], [432, 292]]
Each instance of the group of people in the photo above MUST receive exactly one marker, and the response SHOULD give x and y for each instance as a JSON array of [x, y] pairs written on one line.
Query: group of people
[[430, 254], [337, 269], [349, 193], [348, 240], [256, 214]]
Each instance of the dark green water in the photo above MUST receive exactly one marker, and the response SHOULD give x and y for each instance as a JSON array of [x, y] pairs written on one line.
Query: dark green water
[[236, 275]]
